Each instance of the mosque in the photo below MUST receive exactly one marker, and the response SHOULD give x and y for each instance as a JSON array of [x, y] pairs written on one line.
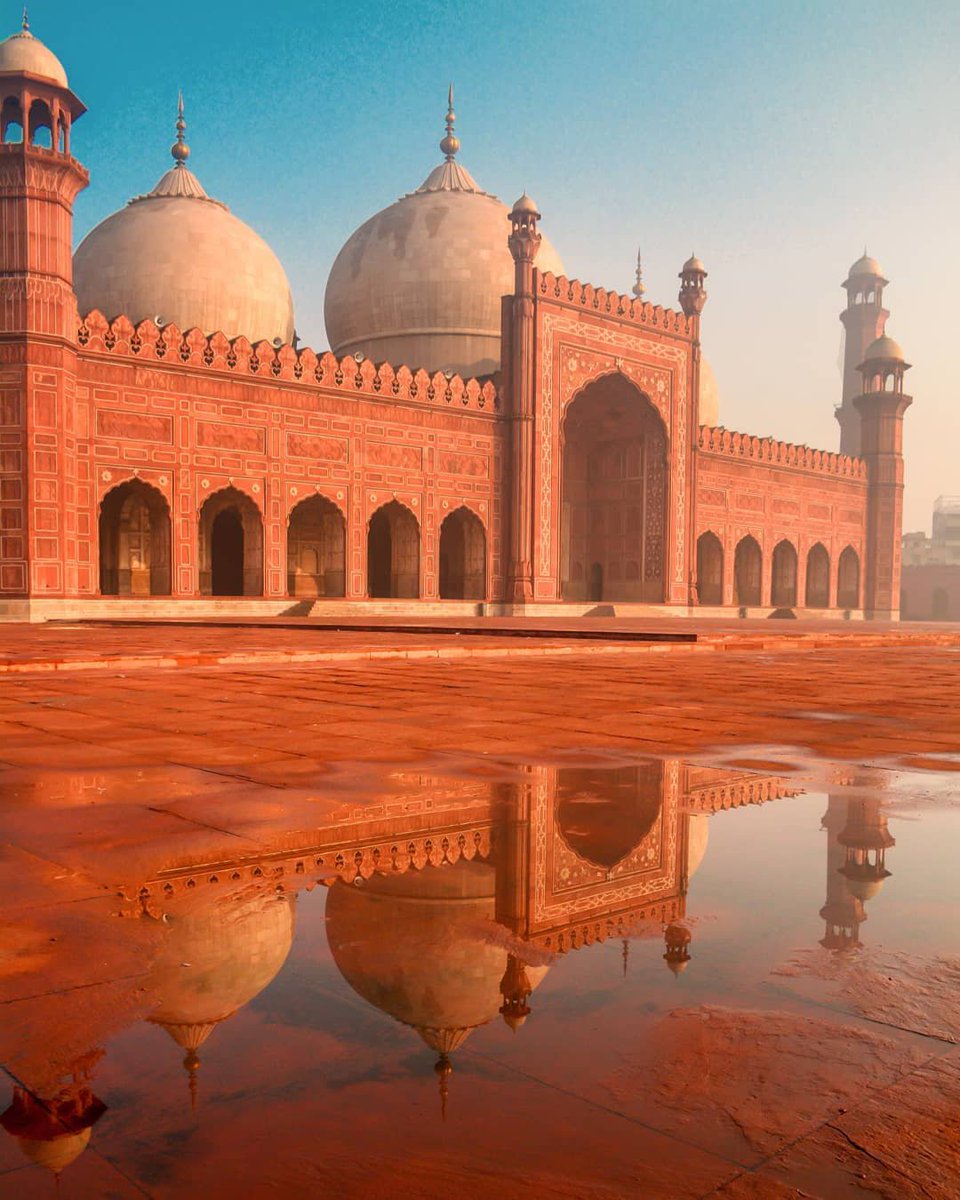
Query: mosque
[[485, 435]]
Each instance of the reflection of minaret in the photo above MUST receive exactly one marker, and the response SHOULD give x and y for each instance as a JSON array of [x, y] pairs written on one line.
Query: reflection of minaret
[[866, 840], [842, 911]]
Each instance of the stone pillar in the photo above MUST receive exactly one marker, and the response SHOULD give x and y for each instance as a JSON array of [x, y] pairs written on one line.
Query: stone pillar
[[524, 242]]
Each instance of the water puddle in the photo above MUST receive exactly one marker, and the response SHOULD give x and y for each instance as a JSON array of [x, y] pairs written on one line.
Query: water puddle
[[600, 976]]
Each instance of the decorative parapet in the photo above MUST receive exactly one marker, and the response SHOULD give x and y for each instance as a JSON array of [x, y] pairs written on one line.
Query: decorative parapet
[[717, 440], [190, 348], [626, 308], [753, 790]]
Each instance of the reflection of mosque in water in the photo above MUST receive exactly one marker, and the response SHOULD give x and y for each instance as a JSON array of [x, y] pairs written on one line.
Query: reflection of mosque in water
[[446, 910]]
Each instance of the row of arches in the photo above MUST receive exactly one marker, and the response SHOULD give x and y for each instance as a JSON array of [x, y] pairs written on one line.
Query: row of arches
[[748, 567], [135, 548], [43, 128]]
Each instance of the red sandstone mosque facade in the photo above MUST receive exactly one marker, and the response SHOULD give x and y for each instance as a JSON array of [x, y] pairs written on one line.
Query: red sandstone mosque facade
[[164, 439]]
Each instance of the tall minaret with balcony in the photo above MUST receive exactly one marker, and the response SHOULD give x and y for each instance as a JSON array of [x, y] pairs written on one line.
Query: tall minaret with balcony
[[864, 320], [39, 181]]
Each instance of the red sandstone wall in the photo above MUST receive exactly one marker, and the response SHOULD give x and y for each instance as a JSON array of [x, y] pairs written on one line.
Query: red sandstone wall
[[190, 415], [774, 491]]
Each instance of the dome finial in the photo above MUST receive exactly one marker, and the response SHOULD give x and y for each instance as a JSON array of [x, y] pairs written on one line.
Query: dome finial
[[638, 288], [180, 150], [26, 20], [443, 1069], [450, 143]]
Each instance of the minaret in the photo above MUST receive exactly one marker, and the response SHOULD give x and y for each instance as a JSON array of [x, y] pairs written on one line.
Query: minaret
[[693, 296], [39, 181], [881, 406], [864, 320], [524, 243]]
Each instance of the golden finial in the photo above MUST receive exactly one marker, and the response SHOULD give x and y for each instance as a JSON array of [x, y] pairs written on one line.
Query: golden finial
[[180, 150], [26, 20], [191, 1063], [638, 288], [450, 143]]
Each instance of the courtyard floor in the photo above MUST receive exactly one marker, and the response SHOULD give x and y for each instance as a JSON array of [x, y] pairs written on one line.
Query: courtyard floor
[[140, 762]]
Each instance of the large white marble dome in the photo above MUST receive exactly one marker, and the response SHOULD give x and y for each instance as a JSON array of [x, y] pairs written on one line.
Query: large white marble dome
[[420, 284], [179, 255]]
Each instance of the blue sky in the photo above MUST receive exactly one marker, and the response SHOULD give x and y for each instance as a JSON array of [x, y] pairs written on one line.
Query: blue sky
[[773, 139]]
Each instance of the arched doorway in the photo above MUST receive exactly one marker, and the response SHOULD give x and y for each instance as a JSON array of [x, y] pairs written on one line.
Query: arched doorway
[[463, 557], [748, 572], [134, 541], [709, 569], [231, 545], [614, 495], [783, 591], [316, 549], [393, 553], [818, 577], [848, 579]]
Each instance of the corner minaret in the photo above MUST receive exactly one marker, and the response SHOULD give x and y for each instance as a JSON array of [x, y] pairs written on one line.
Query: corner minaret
[[880, 407], [39, 181], [864, 320]]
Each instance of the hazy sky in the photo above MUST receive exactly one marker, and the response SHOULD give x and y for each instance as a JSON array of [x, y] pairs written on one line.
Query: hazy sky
[[773, 139]]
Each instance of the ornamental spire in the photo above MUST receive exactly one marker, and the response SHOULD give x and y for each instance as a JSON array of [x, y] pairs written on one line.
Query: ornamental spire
[[450, 143], [180, 150], [638, 288], [26, 20]]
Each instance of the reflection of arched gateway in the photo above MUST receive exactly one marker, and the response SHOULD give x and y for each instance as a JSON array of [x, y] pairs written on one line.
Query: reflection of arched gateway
[[604, 813], [134, 541], [231, 545], [316, 562], [463, 557], [613, 527], [393, 553]]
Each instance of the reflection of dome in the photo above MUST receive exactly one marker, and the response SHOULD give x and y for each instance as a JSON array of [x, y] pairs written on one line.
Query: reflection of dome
[[23, 52], [215, 959], [422, 947], [53, 1133], [709, 395], [421, 282], [697, 837], [58, 1152], [177, 255], [603, 814]]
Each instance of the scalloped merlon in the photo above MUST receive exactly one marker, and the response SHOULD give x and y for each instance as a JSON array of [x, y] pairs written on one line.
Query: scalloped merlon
[[194, 349], [629, 308], [715, 439]]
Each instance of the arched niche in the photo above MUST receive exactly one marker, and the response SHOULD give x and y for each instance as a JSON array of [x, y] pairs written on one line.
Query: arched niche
[[709, 569], [818, 577], [316, 549], [393, 553], [783, 589], [748, 572], [463, 556], [231, 545], [848, 579], [134, 541]]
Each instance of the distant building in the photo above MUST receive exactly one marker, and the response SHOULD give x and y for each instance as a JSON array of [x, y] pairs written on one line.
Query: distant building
[[930, 585], [484, 430]]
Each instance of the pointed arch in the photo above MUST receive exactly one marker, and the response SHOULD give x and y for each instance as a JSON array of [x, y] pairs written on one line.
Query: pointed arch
[[614, 488], [231, 545], [316, 548], [134, 541], [393, 553], [748, 572], [848, 579], [709, 568], [818, 577], [463, 556], [783, 589]]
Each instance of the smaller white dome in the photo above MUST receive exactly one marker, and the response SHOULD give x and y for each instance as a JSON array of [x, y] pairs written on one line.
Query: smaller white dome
[[23, 52], [865, 265], [884, 348]]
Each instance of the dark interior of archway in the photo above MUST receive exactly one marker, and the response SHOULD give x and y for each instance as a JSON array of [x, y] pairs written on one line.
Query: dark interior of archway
[[226, 553], [614, 496], [747, 569], [604, 814], [379, 555], [462, 557], [134, 542]]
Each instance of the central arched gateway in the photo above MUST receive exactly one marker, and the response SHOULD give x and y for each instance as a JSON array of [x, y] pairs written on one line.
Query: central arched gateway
[[134, 541], [614, 495]]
